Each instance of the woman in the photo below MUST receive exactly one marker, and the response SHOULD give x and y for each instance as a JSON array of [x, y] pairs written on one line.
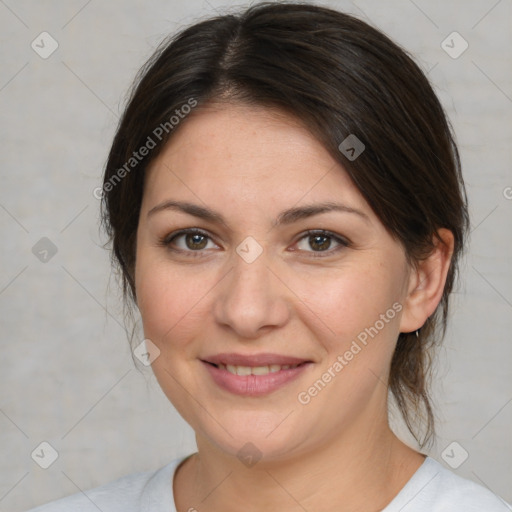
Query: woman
[[286, 207]]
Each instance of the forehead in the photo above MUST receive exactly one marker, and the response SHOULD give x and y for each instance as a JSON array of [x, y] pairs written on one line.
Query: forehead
[[229, 153]]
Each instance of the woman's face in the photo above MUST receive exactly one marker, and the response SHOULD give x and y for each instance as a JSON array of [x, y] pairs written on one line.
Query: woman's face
[[256, 292]]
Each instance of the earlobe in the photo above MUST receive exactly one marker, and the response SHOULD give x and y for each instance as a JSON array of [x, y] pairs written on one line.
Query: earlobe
[[426, 283]]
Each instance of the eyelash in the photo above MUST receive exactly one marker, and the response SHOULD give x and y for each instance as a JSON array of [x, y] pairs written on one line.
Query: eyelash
[[167, 240]]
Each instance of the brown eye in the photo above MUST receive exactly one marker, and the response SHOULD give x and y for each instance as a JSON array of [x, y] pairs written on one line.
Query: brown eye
[[322, 241], [193, 240]]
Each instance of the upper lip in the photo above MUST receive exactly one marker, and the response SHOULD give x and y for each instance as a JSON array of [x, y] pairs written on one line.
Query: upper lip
[[253, 360]]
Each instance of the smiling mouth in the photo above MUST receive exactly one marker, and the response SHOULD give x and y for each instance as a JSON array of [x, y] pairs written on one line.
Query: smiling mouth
[[255, 370], [254, 375]]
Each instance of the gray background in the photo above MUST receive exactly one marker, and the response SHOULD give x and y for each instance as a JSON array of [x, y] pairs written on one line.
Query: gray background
[[66, 372]]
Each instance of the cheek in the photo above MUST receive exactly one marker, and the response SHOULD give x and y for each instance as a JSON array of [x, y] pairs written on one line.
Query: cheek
[[171, 300], [345, 301]]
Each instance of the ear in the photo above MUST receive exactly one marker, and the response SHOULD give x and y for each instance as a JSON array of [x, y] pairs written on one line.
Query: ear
[[426, 283]]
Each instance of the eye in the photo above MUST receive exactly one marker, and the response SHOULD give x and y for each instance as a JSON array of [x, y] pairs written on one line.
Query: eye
[[194, 240], [321, 241]]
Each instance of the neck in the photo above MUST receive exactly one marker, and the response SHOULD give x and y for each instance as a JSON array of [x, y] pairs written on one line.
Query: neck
[[364, 469]]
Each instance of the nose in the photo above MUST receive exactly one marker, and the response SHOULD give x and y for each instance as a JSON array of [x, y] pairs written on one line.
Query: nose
[[252, 299]]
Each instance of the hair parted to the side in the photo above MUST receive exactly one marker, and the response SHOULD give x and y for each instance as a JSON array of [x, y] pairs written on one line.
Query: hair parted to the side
[[339, 76]]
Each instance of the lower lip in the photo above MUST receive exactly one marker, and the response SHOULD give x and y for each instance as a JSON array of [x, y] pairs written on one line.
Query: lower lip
[[253, 385]]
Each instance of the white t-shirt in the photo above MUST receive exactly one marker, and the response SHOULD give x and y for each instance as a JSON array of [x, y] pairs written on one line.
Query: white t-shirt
[[432, 488]]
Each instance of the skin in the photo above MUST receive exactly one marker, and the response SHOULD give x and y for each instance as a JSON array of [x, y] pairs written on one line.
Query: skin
[[337, 452]]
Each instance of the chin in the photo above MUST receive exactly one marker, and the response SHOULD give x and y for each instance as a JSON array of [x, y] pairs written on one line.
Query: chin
[[254, 436]]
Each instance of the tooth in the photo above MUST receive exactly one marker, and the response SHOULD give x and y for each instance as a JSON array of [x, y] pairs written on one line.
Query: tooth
[[255, 370], [243, 370], [260, 370]]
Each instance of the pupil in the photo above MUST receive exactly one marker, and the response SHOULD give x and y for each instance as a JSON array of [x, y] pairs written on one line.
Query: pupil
[[325, 245], [196, 240]]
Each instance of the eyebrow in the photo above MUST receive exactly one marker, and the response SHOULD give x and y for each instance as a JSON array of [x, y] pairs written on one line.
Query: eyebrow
[[286, 217]]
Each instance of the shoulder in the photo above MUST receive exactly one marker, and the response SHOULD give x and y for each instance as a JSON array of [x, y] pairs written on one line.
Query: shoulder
[[434, 488], [131, 493]]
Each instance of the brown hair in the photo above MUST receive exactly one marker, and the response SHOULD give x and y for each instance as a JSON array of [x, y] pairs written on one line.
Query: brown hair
[[339, 76]]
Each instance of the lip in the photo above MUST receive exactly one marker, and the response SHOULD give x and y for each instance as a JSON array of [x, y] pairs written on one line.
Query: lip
[[254, 385]]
